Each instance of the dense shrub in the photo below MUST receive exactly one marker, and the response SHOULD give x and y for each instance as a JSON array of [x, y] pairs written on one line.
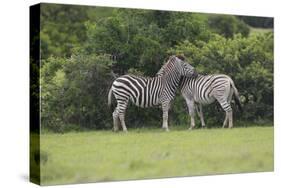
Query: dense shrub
[[228, 25], [75, 95]]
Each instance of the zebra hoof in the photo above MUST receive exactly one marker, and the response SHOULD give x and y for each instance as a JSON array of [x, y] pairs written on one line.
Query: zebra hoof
[[190, 128]]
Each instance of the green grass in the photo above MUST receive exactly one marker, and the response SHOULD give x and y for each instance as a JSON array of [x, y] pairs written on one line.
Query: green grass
[[152, 153]]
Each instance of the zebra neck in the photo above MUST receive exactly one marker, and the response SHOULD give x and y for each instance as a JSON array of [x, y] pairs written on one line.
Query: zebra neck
[[171, 83]]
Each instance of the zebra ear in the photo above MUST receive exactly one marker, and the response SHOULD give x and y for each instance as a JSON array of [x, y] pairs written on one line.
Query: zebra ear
[[181, 57]]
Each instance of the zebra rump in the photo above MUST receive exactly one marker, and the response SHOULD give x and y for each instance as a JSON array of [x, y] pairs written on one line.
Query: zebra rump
[[205, 89]]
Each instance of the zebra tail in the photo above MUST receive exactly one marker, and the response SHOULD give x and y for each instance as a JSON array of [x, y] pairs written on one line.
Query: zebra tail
[[236, 97]]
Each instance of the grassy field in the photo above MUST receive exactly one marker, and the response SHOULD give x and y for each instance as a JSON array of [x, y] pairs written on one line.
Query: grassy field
[[104, 155]]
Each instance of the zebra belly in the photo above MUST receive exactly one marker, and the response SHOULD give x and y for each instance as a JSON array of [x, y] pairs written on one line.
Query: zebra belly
[[204, 101], [144, 101]]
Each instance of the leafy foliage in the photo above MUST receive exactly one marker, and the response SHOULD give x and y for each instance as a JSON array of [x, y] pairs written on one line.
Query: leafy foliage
[[74, 97], [227, 25]]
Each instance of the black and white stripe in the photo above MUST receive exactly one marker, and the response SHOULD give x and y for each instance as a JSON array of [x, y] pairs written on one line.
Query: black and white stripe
[[147, 92], [205, 89], [142, 91]]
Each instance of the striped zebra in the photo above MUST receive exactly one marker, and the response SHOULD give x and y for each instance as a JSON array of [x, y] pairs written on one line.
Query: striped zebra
[[148, 92], [205, 89]]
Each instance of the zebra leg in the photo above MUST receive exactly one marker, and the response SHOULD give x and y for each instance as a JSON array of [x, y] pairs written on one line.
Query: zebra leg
[[225, 120], [192, 120], [230, 116], [121, 109], [201, 116], [116, 121], [122, 119], [228, 112], [191, 109], [165, 109]]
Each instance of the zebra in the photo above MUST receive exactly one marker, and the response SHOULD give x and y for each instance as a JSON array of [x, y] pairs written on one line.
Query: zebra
[[149, 91], [205, 89]]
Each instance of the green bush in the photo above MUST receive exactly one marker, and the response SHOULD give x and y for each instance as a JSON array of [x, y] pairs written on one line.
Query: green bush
[[228, 25], [76, 93]]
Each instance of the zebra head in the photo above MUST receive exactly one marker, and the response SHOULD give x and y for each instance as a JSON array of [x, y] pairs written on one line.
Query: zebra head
[[185, 68]]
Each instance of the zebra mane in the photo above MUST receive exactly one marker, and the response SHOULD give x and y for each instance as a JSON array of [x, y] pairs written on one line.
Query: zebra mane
[[181, 57], [162, 71]]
